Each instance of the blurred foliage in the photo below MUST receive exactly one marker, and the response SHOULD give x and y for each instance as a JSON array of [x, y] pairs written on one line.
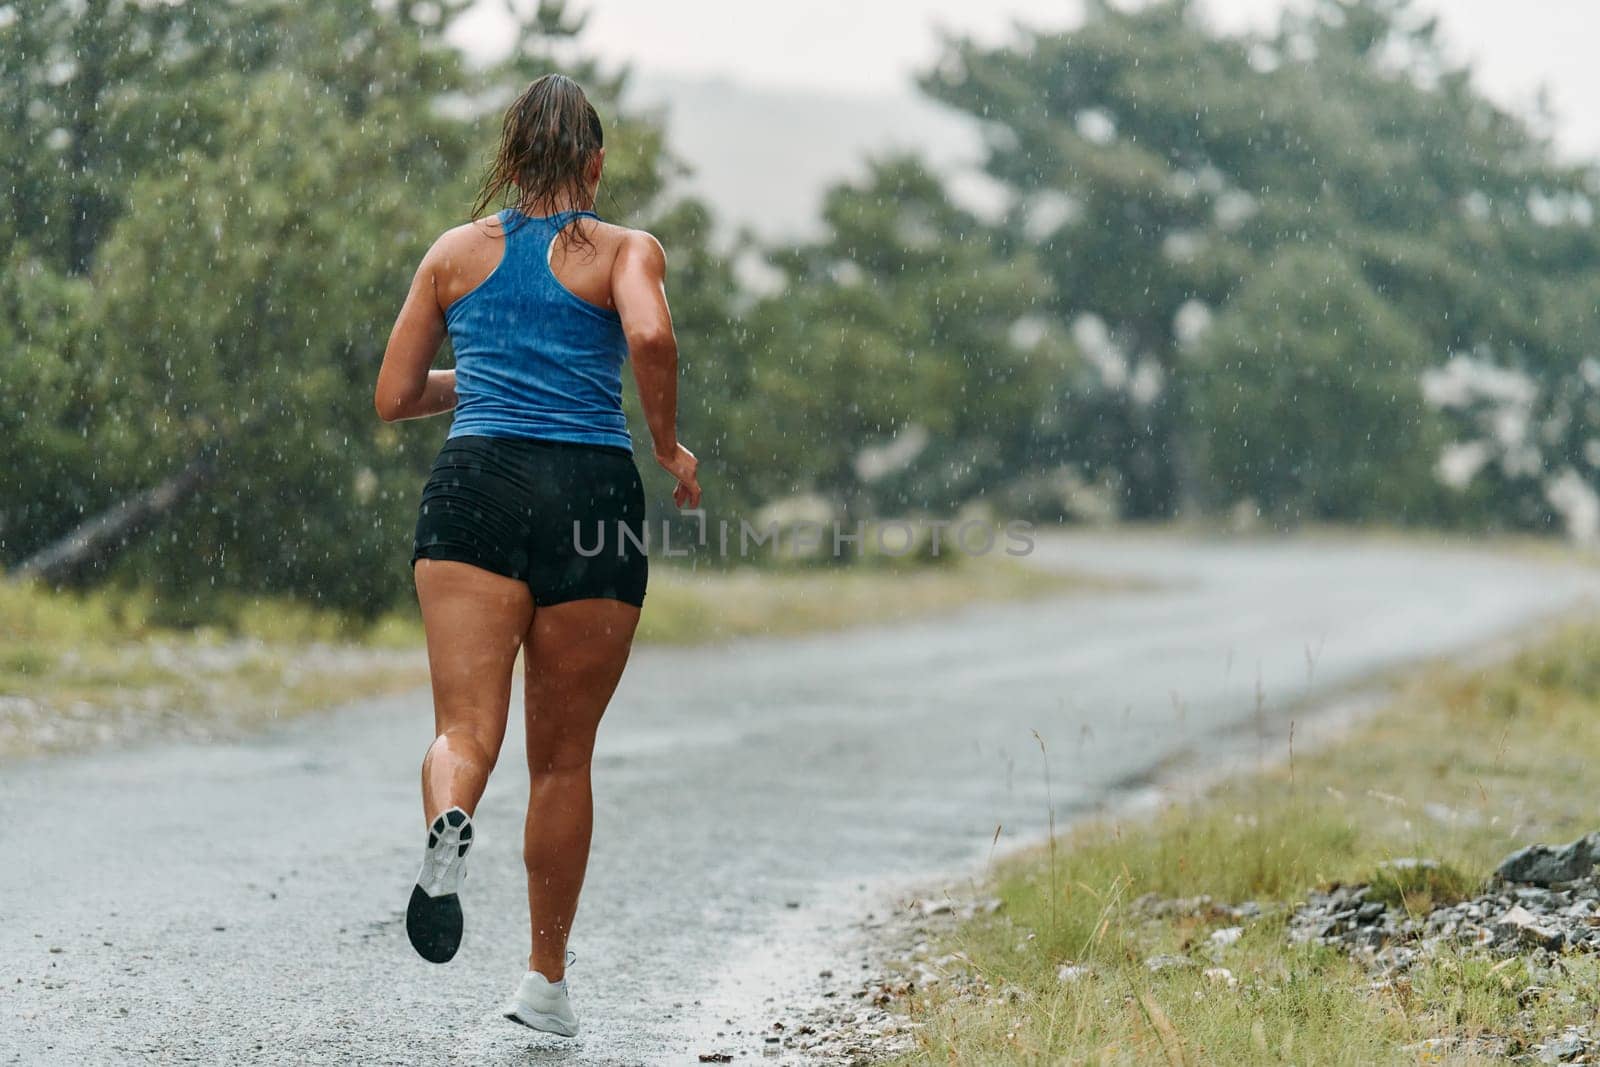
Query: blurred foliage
[[1217, 273], [900, 315], [1336, 199], [268, 175]]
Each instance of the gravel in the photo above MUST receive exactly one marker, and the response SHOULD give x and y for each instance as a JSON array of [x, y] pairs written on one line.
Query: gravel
[[1508, 918], [1542, 903]]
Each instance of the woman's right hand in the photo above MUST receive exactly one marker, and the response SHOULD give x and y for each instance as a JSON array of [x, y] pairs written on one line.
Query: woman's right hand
[[681, 464]]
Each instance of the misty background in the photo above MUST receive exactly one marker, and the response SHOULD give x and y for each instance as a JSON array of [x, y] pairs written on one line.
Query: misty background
[[773, 103]]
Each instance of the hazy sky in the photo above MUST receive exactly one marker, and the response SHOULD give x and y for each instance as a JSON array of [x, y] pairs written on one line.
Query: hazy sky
[[874, 46]]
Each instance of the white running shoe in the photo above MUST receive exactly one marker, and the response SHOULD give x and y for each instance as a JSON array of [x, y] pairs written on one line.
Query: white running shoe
[[433, 918], [544, 1005]]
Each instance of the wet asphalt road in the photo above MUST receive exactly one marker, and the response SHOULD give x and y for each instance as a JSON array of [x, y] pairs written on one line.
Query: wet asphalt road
[[242, 902]]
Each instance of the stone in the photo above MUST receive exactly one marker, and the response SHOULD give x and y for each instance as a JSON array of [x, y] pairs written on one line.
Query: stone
[[1164, 963], [1180, 907], [1428, 1045], [1073, 972], [1524, 926], [1564, 1048], [1544, 865], [1226, 936]]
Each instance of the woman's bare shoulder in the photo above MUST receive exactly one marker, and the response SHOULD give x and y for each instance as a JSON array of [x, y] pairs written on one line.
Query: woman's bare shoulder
[[471, 234], [467, 241], [639, 246], [463, 256], [629, 235]]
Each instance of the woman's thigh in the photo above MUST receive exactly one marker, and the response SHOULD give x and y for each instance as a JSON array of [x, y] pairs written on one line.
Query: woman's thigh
[[475, 622], [576, 651]]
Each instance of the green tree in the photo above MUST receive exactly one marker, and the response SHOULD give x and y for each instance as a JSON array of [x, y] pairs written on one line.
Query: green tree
[[1307, 399], [1160, 173], [95, 92], [49, 397], [899, 318], [238, 316]]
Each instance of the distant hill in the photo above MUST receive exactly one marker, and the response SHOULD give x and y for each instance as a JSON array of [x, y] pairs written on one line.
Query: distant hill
[[763, 157]]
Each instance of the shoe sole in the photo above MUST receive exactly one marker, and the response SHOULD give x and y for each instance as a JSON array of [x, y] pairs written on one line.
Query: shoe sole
[[547, 1024], [434, 925]]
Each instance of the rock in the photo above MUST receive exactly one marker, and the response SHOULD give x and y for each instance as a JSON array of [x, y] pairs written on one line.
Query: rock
[[1145, 903], [1226, 936], [1181, 907], [1220, 976], [1371, 938], [1517, 916], [1394, 959], [1164, 963], [1544, 865], [1432, 1045], [1521, 924], [1344, 917], [1073, 972], [1566, 1047]]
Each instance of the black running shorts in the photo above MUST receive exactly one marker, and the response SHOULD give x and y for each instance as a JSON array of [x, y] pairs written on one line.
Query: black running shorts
[[568, 519]]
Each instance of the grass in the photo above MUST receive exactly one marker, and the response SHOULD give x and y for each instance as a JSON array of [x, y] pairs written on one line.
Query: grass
[[1466, 766], [1513, 543], [82, 669], [685, 607]]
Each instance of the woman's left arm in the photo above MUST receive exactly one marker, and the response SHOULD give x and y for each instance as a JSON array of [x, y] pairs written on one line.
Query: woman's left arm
[[407, 387]]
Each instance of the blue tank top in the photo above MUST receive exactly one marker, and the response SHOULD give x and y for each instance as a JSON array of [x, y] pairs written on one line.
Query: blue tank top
[[534, 359]]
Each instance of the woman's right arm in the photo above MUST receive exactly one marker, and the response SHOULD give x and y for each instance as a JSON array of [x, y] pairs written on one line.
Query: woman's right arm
[[407, 388], [638, 285]]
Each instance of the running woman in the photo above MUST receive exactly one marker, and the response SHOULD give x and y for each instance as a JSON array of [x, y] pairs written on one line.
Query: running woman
[[543, 302]]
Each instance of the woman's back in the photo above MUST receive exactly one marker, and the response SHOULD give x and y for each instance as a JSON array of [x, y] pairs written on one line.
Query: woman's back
[[539, 345]]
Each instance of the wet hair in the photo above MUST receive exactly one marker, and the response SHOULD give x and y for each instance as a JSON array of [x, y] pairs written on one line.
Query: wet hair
[[547, 141]]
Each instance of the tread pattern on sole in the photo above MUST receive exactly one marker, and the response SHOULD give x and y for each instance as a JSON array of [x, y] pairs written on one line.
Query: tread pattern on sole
[[433, 915], [433, 924]]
